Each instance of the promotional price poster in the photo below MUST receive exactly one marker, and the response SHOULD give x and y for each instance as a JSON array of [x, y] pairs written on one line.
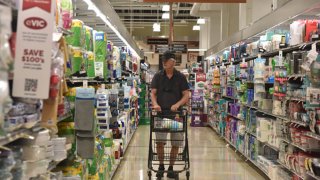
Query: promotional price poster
[[32, 67]]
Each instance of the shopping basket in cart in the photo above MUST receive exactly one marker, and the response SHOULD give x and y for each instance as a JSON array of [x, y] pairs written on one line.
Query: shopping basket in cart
[[169, 129]]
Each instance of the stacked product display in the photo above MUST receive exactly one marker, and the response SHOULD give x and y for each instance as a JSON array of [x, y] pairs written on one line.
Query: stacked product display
[[269, 107], [78, 128]]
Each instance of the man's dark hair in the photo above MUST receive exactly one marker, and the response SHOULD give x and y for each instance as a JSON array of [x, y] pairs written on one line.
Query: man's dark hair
[[168, 55]]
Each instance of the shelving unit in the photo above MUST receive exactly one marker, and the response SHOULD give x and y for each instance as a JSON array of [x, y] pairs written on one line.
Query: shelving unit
[[247, 158], [291, 170], [269, 87], [313, 176]]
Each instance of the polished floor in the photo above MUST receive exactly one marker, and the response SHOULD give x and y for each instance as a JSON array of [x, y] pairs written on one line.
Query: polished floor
[[210, 158]]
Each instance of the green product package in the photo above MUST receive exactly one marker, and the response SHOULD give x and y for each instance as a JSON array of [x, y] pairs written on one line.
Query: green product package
[[77, 37], [77, 63], [90, 64], [88, 38], [100, 52]]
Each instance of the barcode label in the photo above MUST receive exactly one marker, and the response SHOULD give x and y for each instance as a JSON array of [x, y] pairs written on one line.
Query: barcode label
[[31, 85]]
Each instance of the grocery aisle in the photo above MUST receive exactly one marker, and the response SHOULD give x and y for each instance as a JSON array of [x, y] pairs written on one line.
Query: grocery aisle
[[210, 158]]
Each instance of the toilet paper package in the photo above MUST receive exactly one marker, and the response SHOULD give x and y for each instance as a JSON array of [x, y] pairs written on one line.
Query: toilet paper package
[[90, 64], [100, 52], [77, 63], [88, 38], [76, 39]]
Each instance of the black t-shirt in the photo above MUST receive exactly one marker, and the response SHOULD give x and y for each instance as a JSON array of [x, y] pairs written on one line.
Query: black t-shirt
[[169, 91]]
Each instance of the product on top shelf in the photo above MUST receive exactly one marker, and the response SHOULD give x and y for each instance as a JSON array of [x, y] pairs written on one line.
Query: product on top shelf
[[76, 39], [100, 53], [66, 13]]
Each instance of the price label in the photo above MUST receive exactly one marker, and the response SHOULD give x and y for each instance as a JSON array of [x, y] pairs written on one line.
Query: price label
[[85, 83]]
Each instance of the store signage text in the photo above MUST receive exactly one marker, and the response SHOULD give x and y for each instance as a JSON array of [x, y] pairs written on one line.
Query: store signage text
[[35, 23], [154, 41], [32, 65], [31, 55], [174, 47]]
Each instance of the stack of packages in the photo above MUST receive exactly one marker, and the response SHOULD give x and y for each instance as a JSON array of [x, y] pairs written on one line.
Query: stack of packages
[[103, 110], [85, 122]]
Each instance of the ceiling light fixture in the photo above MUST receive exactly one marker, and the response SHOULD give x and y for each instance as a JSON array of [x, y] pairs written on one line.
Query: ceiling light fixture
[[201, 21], [166, 8], [103, 17], [165, 16], [196, 28]]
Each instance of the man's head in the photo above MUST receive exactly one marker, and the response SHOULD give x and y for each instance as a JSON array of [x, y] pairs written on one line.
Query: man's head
[[169, 60]]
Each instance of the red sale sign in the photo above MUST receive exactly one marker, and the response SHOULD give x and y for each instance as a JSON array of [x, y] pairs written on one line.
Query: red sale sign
[[32, 66], [42, 4]]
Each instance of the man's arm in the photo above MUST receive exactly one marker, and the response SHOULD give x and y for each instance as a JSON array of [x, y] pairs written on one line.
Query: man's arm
[[155, 104], [183, 101]]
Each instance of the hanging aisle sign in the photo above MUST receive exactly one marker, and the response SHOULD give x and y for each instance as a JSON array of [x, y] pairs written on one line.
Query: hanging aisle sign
[[32, 66]]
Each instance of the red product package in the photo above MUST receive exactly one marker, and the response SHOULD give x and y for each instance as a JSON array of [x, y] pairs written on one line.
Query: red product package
[[311, 27]]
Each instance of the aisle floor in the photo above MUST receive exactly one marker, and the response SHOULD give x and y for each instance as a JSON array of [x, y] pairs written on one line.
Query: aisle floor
[[210, 158]]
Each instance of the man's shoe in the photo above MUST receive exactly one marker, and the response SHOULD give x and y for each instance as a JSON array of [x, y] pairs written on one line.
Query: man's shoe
[[160, 171], [171, 173]]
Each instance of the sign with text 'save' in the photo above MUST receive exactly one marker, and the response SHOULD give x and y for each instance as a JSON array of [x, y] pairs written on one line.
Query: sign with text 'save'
[[32, 66], [199, 1]]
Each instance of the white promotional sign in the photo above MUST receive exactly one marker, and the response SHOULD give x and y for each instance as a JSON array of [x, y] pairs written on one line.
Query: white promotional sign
[[32, 66]]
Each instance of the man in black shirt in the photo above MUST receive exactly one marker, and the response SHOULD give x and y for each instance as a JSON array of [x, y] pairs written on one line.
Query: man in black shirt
[[169, 91]]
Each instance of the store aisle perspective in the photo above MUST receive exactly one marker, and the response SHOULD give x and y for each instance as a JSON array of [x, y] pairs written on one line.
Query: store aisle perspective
[[210, 158]]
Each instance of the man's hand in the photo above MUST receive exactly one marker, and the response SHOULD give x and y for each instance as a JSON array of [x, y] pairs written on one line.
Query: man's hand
[[157, 108], [175, 107]]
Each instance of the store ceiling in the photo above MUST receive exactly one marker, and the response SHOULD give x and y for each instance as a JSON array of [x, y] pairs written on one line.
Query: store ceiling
[[134, 12]]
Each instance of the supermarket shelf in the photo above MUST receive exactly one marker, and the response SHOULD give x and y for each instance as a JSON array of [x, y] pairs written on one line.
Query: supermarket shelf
[[54, 164], [299, 147], [299, 123], [229, 97], [64, 117], [313, 135], [253, 162], [124, 151], [247, 158], [113, 172], [13, 136], [296, 99], [296, 76], [271, 146], [313, 176], [20, 133], [252, 134], [291, 170], [235, 117], [267, 112]]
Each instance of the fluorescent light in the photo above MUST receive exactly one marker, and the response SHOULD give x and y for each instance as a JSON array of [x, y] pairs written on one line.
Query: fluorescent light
[[166, 8], [165, 16], [196, 28], [104, 18], [200, 50], [156, 27], [201, 21]]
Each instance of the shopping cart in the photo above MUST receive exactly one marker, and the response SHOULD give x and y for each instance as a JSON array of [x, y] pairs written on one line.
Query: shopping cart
[[167, 122]]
